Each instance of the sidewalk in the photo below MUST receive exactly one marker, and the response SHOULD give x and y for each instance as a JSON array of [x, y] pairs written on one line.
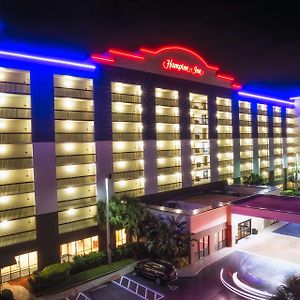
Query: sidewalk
[[21, 293], [193, 270]]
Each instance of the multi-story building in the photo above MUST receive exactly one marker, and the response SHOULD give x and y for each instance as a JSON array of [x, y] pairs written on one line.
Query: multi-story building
[[144, 122]]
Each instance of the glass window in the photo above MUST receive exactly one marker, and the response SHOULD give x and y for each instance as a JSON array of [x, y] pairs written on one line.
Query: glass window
[[120, 237], [203, 247], [220, 239]]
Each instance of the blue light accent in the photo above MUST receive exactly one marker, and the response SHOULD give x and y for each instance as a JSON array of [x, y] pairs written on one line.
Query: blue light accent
[[265, 98], [65, 63]]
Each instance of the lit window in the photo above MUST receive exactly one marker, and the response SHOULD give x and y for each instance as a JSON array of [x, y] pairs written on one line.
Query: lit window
[[120, 237]]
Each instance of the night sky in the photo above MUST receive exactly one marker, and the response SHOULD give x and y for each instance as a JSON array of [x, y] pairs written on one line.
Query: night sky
[[258, 42]]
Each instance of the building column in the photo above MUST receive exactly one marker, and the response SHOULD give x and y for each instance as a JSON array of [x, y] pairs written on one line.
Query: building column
[[103, 135], [185, 137], [284, 148], [271, 145], [236, 140], [44, 163], [149, 138], [213, 137], [254, 123]]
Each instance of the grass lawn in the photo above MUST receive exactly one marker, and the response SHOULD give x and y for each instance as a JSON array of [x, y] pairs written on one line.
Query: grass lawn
[[87, 275]]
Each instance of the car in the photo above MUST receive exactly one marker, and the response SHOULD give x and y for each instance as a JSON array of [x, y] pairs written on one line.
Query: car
[[161, 271]]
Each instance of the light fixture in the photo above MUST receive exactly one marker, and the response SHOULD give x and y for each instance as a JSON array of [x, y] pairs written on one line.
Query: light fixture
[[71, 211], [120, 126], [3, 149], [69, 147], [4, 199], [119, 88], [70, 190], [121, 164], [4, 224], [3, 174], [70, 168], [68, 103], [122, 182], [69, 125]]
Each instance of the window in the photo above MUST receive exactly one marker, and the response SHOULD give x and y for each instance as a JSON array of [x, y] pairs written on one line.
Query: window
[[244, 229], [25, 265], [203, 247], [220, 238], [80, 247], [120, 237]]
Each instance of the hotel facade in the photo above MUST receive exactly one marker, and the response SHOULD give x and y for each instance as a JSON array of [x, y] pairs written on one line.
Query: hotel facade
[[150, 121]]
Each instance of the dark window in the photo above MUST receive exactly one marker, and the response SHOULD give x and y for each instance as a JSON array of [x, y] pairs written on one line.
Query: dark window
[[221, 240], [244, 229]]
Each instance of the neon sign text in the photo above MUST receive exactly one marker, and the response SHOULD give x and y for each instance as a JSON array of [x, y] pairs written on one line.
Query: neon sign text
[[170, 64]]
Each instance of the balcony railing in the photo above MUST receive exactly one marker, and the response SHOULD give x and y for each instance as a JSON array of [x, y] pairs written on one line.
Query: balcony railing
[[73, 93], [200, 151], [74, 115], [128, 175], [17, 238], [76, 203], [17, 188], [76, 181], [169, 187], [244, 110], [127, 136], [199, 136], [74, 137], [126, 98], [224, 122], [75, 159], [132, 193], [247, 135], [245, 123], [168, 136], [224, 136], [15, 113], [15, 138], [166, 102], [199, 121], [77, 225], [18, 213], [225, 163], [128, 155], [200, 106], [15, 163], [126, 117], [14, 88], [263, 135], [167, 119], [224, 108], [246, 148], [168, 170], [200, 166], [168, 153]]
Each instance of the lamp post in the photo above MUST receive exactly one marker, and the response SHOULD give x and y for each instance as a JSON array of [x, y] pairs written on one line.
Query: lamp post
[[108, 249]]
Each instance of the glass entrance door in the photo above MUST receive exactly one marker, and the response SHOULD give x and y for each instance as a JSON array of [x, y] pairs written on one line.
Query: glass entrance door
[[244, 229]]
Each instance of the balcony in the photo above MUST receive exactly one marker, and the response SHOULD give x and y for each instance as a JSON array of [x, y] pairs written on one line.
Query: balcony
[[199, 121], [77, 225], [126, 98], [17, 238], [75, 159], [262, 112], [74, 137], [74, 115], [199, 136], [168, 153], [200, 166], [15, 163], [262, 124], [199, 106], [225, 163], [15, 113], [15, 138], [75, 181], [224, 136], [225, 149], [244, 110], [167, 119], [166, 102], [245, 123], [167, 136], [168, 170], [224, 121], [76, 203], [244, 148], [247, 135], [14, 88], [200, 151], [73, 93], [128, 156], [126, 117], [128, 175], [277, 134], [127, 136], [263, 135], [246, 160], [224, 108], [18, 213], [17, 188], [132, 192], [169, 187]]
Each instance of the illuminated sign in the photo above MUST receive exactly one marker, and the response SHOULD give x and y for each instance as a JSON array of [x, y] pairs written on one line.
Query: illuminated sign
[[172, 65]]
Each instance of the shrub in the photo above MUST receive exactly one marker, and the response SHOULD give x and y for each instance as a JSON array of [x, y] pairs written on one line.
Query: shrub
[[87, 261], [287, 193], [49, 276], [182, 261], [7, 295]]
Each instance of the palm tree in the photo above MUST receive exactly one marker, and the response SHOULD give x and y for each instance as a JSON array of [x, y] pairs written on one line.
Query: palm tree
[[290, 290]]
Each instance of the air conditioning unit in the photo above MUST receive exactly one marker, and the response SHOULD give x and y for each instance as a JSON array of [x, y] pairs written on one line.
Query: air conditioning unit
[[196, 107], [197, 150], [197, 121], [197, 178], [198, 164], [197, 136]]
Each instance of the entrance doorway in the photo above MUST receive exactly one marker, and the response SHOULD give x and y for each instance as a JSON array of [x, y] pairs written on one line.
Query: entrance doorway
[[244, 229]]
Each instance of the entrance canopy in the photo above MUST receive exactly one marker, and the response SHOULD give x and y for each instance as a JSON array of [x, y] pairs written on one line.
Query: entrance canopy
[[281, 208]]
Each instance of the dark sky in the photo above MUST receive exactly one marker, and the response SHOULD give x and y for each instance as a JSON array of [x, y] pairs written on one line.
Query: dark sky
[[255, 41]]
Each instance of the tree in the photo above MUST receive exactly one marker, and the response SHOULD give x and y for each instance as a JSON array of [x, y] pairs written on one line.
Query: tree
[[253, 179], [124, 212], [290, 290], [166, 238]]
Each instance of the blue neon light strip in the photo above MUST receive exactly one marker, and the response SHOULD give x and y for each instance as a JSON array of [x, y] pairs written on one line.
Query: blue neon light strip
[[47, 60], [249, 95]]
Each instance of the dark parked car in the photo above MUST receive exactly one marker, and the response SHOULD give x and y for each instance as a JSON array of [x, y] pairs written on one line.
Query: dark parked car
[[161, 271]]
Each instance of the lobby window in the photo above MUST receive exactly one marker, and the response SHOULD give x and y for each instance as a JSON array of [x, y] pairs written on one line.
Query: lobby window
[[79, 247], [120, 237], [220, 238], [203, 247], [25, 265]]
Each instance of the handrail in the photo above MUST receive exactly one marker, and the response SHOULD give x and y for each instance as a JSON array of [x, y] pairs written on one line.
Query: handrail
[[138, 289]]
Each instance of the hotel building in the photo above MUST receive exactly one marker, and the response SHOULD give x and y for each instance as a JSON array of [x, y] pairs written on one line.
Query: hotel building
[[151, 121]]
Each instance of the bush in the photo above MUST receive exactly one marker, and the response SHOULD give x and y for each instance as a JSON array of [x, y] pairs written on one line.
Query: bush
[[49, 276], [87, 261], [287, 193], [130, 250], [182, 261], [7, 295]]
